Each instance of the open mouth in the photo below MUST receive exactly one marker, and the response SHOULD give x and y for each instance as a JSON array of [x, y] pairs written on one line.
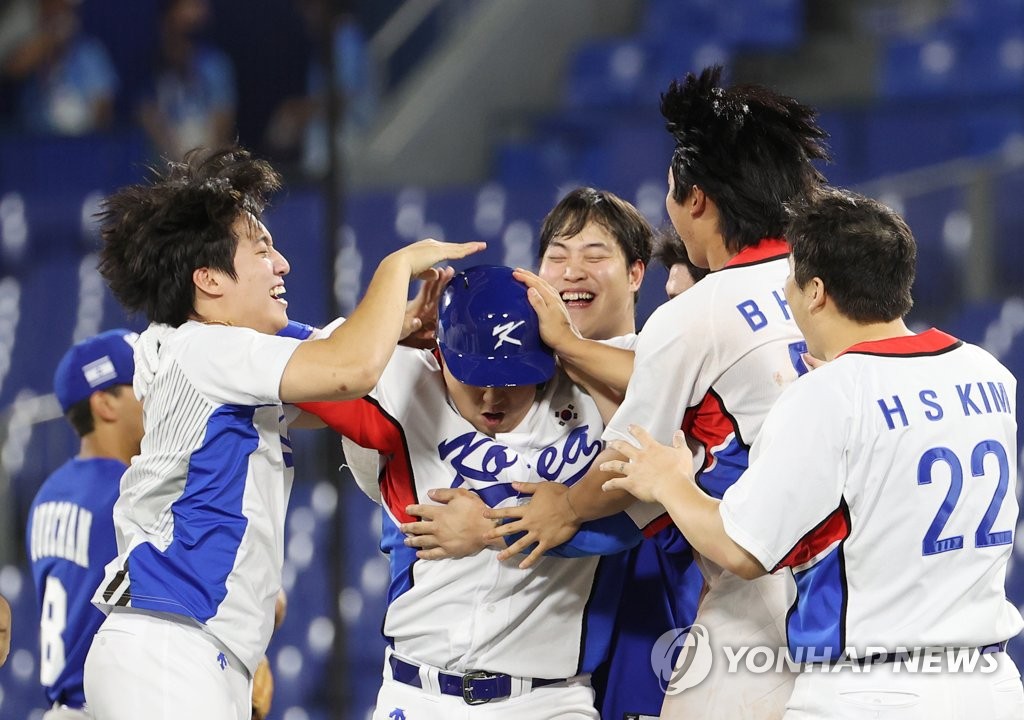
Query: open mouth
[[493, 419], [277, 292], [577, 298]]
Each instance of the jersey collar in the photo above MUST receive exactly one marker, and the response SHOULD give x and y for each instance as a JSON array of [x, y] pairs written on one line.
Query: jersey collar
[[765, 250], [929, 342]]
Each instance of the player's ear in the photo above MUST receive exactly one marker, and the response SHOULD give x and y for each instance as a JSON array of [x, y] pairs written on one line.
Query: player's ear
[[697, 201], [636, 275], [817, 296], [208, 281], [101, 404]]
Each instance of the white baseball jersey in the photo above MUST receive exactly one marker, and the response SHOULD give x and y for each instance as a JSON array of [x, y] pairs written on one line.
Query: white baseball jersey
[[551, 621], [712, 361], [200, 518], [366, 465], [886, 481]]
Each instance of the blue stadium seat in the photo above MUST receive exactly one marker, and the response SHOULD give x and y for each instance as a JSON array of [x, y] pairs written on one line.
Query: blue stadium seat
[[928, 66], [938, 287], [73, 165], [992, 126], [761, 24], [993, 63], [906, 136], [43, 330], [844, 130], [1008, 230], [607, 74], [970, 321]]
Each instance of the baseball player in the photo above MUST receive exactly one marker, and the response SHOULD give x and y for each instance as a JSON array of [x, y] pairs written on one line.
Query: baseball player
[[594, 249], [201, 512], [899, 524], [70, 534], [713, 360], [487, 409]]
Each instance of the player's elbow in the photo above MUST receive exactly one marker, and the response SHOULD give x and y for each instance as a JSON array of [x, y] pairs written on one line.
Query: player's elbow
[[744, 565]]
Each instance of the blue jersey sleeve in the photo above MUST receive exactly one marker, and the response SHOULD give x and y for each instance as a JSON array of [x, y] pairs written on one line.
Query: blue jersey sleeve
[[605, 536]]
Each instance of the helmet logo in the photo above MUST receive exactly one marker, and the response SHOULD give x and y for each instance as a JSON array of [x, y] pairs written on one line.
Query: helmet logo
[[503, 333]]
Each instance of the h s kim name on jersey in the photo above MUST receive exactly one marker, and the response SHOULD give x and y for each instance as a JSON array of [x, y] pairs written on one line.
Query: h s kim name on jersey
[[61, 530], [967, 399]]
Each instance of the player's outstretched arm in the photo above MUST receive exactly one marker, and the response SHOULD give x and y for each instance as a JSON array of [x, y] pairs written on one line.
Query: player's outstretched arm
[[602, 369], [659, 473], [556, 512], [348, 363]]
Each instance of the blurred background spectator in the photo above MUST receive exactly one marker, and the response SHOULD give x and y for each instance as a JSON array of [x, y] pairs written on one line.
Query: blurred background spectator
[[298, 130], [65, 80], [193, 97]]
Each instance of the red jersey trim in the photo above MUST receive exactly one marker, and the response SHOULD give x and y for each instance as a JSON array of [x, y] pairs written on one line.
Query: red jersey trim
[[710, 423], [365, 422], [767, 249], [656, 525], [834, 528], [930, 342]]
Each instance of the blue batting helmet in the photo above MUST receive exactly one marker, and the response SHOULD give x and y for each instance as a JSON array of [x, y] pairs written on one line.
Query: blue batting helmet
[[488, 332]]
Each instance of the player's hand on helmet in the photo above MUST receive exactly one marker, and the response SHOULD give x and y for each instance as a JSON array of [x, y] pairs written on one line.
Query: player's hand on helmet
[[262, 690], [5, 629], [422, 255], [650, 470], [556, 328], [456, 528], [547, 521], [420, 326]]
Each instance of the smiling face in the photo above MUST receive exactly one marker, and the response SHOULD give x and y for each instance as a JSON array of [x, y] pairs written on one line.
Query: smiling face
[[254, 298], [590, 273], [491, 410]]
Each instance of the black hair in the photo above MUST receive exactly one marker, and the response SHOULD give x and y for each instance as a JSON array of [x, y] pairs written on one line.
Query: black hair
[[157, 234], [669, 250], [585, 205], [746, 147], [862, 251]]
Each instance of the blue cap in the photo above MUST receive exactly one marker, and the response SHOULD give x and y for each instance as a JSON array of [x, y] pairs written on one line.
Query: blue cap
[[488, 333], [95, 364]]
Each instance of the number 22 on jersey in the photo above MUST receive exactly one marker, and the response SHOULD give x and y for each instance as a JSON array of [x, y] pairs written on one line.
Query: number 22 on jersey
[[983, 536]]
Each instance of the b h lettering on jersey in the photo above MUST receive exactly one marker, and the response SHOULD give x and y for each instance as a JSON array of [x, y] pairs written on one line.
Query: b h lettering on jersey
[[486, 466], [758, 314], [967, 399], [61, 530]]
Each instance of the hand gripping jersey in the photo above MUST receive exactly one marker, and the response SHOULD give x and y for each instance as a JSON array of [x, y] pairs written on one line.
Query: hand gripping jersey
[[551, 621], [200, 519], [70, 538], [886, 481], [712, 361]]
